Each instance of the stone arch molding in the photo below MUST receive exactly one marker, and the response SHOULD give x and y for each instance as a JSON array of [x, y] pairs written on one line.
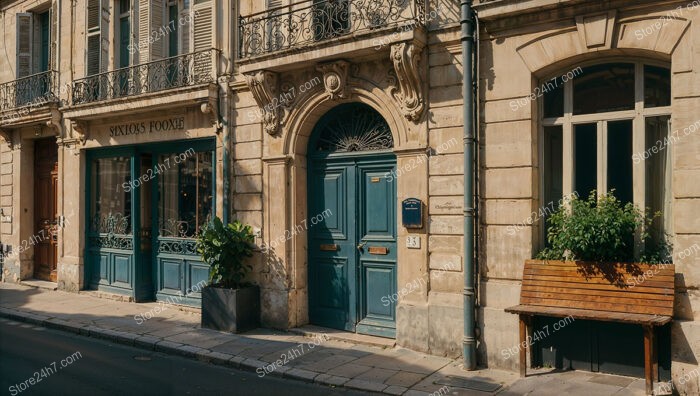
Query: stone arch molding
[[277, 99], [594, 33]]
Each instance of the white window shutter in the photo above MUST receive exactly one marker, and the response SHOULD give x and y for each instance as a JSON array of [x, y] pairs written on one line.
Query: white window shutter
[[24, 44], [274, 3], [157, 17], [142, 32], [203, 25]]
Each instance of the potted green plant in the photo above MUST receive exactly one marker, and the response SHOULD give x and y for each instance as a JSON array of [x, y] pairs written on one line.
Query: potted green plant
[[229, 303]]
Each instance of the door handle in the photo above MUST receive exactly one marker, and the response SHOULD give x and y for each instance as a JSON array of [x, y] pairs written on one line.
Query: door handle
[[361, 245]]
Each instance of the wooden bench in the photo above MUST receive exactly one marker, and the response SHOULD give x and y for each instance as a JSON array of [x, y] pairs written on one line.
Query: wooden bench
[[628, 293]]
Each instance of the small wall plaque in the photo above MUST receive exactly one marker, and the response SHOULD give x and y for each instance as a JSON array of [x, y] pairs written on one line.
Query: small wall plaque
[[412, 213]]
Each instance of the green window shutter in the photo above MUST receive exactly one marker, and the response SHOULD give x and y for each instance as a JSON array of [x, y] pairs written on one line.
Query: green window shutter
[[24, 44], [157, 12]]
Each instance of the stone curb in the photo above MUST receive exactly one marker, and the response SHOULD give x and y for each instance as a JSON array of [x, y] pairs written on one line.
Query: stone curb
[[152, 343]]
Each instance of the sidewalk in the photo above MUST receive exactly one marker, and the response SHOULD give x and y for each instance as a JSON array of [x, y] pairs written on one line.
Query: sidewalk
[[394, 371]]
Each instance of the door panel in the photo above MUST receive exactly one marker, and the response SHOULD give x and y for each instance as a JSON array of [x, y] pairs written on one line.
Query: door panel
[[377, 205], [331, 247], [352, 253], [45, 236]]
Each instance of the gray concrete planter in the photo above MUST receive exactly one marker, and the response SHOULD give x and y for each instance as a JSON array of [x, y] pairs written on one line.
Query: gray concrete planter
[[232, 310]]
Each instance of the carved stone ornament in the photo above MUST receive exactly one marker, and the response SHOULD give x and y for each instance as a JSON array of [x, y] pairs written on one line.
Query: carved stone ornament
[[79, 131], [55, 122], [210, 107], [6, 137], [409, 93], [335, 77], [264, 85]]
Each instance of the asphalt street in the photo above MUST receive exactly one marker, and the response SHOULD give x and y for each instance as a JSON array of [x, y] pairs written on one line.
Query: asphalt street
[[39, 361]]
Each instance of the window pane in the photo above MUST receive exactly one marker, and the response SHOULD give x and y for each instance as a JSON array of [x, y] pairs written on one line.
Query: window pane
[[110, 195], [553, 168], [186, 193], [604, 88], [658, 172], [553, 100], [586, 159], [620, 159], [657, 86]]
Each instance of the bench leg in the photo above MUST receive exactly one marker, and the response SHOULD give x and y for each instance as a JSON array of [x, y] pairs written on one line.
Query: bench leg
[[649, 358], [523, 344]]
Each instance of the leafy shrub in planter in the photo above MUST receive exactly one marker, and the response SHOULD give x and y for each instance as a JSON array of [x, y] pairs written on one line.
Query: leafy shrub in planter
[[601, 230], [225, 248]]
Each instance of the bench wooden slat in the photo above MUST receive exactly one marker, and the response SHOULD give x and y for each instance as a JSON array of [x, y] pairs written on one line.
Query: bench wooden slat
[[598, 306], [583, 291], [636, 269], [637, 279], [656, 283], [668, 291], [593, 299]]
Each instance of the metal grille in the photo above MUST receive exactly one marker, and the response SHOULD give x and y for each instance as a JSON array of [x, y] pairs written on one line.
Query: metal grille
[[178, 71], [35, 90], [308, 22], [352, 128]]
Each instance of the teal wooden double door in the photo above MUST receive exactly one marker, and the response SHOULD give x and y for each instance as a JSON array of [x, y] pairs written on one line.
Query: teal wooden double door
[[144, 206], [352, 251]]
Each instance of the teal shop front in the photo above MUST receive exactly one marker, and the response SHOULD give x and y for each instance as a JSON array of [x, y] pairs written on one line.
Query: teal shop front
[[145, 204], [352, 251]]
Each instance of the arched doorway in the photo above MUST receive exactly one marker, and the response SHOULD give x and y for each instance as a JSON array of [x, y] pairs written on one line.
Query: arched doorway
[[352, 222]]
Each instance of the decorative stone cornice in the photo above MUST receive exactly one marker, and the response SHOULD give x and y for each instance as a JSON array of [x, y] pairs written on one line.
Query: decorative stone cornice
[[80, 131], [409, 92], [264, 85], [6, 136], [335, 77]]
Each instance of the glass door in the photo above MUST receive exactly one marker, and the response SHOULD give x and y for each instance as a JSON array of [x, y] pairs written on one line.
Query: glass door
[[185, 201], [110, 231]]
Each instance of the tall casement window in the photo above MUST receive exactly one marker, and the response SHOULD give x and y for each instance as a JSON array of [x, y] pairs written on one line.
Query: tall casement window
[[123, 33], [607, 127], [36, 32]]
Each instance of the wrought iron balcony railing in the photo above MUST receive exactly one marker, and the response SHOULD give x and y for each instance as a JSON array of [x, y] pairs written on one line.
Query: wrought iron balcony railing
[[308, 22], [35, 90], [176, 72]]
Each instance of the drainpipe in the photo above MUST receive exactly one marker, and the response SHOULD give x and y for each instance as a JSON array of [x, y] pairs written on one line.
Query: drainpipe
[[467, 38]]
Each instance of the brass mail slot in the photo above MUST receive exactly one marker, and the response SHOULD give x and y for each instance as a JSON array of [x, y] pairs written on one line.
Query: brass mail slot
[[378, 250], [329, 248], [375, 180]]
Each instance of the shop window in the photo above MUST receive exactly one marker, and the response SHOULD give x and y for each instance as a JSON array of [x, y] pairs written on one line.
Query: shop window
[[186, 193], [110, 197], [612, 135]]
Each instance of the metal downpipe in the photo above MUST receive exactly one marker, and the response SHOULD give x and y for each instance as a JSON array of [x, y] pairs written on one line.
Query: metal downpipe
[[467, 38]]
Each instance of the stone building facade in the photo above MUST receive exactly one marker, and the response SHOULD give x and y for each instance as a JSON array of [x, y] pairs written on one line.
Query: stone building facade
[[320, 131]]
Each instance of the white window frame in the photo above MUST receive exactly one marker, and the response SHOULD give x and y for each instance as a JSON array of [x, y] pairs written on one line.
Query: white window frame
[[569, 120]]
